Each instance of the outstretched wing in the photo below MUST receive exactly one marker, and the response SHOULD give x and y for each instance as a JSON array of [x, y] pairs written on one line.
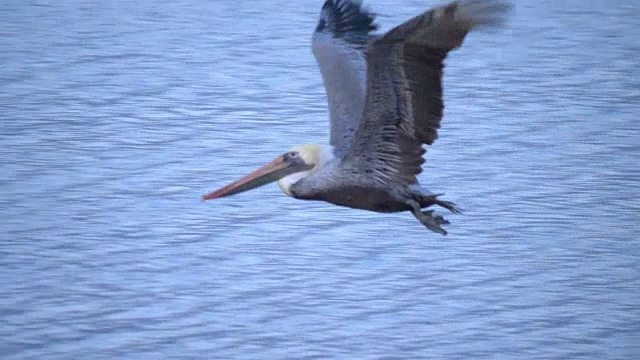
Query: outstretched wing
[[338, 45], [404, 102]]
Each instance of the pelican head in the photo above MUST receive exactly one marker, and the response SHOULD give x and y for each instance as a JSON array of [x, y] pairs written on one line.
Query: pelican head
[[287, 169]]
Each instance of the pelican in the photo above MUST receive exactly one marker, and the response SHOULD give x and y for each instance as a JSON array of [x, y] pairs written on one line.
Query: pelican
[[385, 102]]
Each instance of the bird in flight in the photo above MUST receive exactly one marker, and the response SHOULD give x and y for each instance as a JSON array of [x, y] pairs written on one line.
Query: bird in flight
[[385, 102]]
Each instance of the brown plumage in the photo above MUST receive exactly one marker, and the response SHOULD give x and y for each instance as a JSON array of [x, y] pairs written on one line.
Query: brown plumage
[[404, 105], [385, 104]]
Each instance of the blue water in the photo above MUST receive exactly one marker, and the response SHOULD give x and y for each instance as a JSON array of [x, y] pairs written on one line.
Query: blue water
[[116, 116]]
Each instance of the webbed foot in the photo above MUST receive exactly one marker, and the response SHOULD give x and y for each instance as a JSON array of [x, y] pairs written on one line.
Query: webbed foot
[[426, 217], [433, 200], [433, 223]]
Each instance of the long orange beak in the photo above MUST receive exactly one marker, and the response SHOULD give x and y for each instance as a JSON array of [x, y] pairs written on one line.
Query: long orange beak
[[273, 171]]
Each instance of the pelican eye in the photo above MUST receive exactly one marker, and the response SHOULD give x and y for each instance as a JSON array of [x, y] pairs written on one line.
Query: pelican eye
[[293, 154]]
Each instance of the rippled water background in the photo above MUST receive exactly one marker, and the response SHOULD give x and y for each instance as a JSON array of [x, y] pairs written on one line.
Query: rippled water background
[[116, 116]]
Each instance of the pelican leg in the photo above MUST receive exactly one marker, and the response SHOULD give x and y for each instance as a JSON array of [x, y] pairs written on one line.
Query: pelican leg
[[427, 219], [432, 199]]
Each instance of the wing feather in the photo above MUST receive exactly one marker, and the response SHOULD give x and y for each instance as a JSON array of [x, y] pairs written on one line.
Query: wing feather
[[338, 44], [404, 105]]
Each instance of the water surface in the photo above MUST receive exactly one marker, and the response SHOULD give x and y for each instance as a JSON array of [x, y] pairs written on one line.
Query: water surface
[[116, 116]]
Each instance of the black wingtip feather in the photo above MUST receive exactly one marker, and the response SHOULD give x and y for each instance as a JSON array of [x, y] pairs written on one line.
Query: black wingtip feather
[[346, 16]]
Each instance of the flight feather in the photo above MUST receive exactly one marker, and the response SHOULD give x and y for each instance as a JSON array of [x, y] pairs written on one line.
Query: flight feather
[[404, 106]]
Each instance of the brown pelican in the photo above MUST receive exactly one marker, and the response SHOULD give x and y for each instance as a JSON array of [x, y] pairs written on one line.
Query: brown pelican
[[385, 102]]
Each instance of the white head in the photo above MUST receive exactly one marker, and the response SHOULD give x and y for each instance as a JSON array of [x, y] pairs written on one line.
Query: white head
[[312, 155], [289, 168]]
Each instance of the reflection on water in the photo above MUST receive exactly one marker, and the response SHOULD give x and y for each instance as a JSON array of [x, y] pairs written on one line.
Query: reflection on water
[[117, 116]]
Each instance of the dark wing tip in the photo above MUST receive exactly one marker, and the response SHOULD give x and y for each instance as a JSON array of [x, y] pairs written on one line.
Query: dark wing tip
[[343, 17], [483, 13]]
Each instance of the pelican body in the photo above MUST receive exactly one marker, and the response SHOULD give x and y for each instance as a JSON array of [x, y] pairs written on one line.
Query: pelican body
[[385, 102]]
